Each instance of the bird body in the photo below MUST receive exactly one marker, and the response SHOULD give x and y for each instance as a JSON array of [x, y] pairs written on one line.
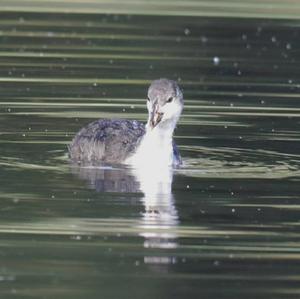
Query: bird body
[[131, 142], [106, 141]]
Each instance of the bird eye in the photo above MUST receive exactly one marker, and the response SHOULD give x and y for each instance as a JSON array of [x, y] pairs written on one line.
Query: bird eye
[[148, 99], [170, 100]]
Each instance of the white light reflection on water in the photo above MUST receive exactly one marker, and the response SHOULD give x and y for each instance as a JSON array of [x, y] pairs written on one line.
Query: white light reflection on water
[[160, 215]]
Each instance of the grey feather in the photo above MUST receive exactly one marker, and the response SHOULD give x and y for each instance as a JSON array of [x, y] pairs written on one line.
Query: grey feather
[[106, 140]]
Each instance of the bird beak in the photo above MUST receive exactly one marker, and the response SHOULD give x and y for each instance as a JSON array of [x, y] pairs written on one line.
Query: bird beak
[[156, 117]]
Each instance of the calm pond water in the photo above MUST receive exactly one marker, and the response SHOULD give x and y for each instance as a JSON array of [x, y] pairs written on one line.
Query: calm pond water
[[230, 226]]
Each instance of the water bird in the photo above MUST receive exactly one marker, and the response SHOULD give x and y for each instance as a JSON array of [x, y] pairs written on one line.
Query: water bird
[[114, 141]]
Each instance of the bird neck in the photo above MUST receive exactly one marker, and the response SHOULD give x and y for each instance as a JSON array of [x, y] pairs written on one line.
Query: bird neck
[[158, 143], [156, 147], [163, 131]]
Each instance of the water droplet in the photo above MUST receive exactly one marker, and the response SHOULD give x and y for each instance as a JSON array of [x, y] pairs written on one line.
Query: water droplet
[[204, 39], [216, 60], [187, 31], [216, 263], [137, 263]]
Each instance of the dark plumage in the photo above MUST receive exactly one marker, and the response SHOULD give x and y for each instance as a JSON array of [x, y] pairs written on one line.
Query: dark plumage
[[106, 140]]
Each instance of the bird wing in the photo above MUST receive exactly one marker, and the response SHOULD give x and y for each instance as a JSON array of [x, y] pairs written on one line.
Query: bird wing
[[106, 140]]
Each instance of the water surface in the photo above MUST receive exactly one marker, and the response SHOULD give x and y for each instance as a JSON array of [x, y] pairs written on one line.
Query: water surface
[[228, 228]]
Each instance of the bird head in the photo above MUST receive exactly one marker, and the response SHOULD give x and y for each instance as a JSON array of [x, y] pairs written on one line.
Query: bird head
[[164, 103]]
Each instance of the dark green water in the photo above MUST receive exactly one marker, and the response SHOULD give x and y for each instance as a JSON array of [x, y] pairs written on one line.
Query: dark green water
[[230, 227]]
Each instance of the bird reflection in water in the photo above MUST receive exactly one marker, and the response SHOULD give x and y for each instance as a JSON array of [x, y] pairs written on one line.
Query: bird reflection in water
[[159, 218]]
